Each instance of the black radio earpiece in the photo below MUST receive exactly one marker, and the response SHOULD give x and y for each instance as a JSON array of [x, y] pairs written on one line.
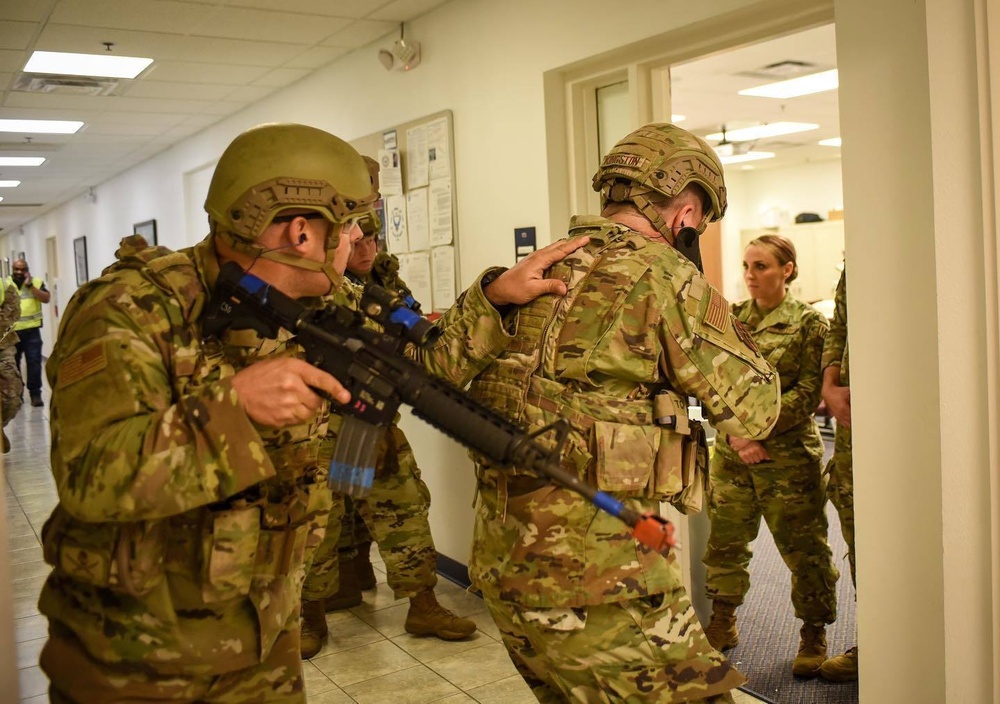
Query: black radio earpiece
[[686, 242]]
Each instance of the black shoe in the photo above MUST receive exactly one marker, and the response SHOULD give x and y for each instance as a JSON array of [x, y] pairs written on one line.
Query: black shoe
[[36, 400], [6, 442]]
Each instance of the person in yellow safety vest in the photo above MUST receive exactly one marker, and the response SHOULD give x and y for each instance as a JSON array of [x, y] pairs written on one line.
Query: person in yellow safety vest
[[29, 327]]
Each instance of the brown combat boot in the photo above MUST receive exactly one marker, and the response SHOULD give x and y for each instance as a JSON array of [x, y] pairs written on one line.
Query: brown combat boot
[[722, 632], [6, 442], [363, 569], [428, 618], [842, 668], [812, 650], [314, 628], [349, 595]]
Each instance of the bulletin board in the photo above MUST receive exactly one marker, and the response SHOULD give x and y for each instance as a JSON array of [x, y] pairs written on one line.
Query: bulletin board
[[418, 208]]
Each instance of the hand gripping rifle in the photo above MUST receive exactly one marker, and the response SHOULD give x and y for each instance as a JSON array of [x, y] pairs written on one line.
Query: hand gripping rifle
[[372, 367]]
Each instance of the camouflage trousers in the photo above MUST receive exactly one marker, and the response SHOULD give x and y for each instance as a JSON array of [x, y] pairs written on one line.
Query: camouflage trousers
[[11, 386], [791, 500], [76, 678], [642, 651], [840, 488], [395, 513]]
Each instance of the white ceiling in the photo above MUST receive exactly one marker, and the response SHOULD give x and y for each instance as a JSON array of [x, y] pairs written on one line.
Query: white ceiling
[[211, 59], [215, 57], [706, 91]]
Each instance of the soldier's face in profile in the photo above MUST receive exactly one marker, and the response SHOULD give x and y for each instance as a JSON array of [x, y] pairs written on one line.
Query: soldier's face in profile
[[363, 256], [349, 236]]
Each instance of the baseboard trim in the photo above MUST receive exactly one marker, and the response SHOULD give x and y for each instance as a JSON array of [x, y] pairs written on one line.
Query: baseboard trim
[[453, 570]]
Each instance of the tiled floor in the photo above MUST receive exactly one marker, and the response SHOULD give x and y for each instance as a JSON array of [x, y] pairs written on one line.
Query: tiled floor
[[369, 657]]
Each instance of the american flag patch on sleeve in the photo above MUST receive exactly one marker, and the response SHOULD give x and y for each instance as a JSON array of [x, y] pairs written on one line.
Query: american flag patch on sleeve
[[87, 361], [717, 315]]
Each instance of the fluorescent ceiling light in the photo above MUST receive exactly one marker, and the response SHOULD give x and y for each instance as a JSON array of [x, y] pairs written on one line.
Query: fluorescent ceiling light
[[104, 65], [832, 142], [749, 156], [9, 184], [678, 118], [773, 129], [794, 87], [41, 126], [1, 198], [21, 161]]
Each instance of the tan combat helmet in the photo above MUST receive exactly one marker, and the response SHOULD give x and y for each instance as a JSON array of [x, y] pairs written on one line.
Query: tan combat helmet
[[661, 158], [274, 169]]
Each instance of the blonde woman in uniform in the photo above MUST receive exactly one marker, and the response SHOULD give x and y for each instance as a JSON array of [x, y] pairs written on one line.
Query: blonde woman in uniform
[[778, 478]]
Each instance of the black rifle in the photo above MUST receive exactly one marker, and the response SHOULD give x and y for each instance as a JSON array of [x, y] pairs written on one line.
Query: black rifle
[[371, 365]]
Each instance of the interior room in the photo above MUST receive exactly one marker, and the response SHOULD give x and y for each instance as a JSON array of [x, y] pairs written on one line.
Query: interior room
[[523, 97]]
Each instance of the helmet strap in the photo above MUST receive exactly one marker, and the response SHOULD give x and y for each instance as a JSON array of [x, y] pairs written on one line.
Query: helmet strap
[[646, 208], [257, 252]]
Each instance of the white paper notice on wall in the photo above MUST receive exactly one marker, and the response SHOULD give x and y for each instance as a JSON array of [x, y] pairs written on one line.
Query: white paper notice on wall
[[416, 219], [443, 274], [396, 239], [415, 270], [439, 210], [390, 174], [416, 157], [438, 154]]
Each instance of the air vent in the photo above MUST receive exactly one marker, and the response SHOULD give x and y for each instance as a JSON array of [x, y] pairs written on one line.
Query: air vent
[[65, 85], [783, 70]]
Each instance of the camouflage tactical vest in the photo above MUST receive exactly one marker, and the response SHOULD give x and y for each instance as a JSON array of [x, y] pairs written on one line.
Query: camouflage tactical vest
[[616, 443]]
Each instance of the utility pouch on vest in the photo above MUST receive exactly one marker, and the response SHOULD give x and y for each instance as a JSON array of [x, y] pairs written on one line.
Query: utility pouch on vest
[[624, 455], [682, 459], [124, 557], [230, 550]]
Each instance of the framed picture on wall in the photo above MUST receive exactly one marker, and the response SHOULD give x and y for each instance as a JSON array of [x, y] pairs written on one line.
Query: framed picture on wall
[[80, 257], [148, 230]]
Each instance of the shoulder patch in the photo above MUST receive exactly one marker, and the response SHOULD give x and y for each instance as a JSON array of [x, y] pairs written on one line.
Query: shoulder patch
[[717, 314], [745, 337], [89, 360]]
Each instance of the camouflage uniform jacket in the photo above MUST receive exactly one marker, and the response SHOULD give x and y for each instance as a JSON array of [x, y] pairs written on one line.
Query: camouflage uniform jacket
[[182, 527], [10, 313], [835, 350], [638, 319], [791, 339]]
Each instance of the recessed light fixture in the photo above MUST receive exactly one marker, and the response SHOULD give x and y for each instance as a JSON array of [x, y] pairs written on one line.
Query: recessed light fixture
[[677, 118], [9, 184], [41, 126], [1, 198], [103, 65], [772, 129], [832, 142], [794, 87], [21, 161], [749, 156]]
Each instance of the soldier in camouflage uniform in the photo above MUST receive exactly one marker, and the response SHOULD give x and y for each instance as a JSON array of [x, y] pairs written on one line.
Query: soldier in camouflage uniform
[[11, 385], [779, 477], [395, 512], [586, 612], [840, 469], [191, 492]]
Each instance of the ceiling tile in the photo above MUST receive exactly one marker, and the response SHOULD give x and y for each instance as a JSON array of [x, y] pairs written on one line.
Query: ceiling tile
[[281, 77], [166, 16], [360, 33], [12, 60], [176, 91], [329, 8], [17, 35], [267, 25], [317, 56], [404, 10], [26, 10], [190, 72], [248, 94]]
